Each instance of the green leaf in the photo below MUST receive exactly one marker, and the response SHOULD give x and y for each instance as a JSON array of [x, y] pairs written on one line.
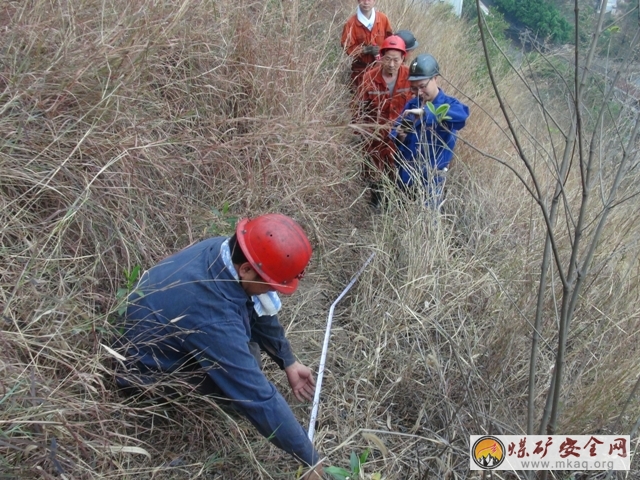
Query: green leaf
[[376, 476], [354, 463], [122, 292], [364, 455], [135, 273], [338, 473], [442, 109]]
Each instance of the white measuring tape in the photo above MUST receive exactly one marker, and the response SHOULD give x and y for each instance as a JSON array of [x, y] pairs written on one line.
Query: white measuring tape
[[325, 347]]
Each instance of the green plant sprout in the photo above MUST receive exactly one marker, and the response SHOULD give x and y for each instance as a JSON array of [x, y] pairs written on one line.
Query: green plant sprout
[[441, 112], [228, 221], [355, 465], [130, 280]]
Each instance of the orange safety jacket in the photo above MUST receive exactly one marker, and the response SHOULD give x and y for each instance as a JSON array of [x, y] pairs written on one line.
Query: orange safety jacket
[[355, 35], [377, 105]]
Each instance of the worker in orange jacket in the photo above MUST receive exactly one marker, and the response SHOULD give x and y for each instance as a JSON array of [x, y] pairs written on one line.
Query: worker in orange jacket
[[362, 37], [384, 92]]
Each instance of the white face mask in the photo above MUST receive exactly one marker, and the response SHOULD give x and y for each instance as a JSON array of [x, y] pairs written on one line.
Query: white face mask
[[264, 304]]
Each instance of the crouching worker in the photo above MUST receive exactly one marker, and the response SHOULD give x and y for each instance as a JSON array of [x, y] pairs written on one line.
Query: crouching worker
[[425, 140], [204, 313]]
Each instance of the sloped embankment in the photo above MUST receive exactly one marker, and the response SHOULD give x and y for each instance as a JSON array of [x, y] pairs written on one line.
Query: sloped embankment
[[132, 129]]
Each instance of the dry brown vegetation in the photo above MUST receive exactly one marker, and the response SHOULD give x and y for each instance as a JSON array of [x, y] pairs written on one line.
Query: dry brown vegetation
[[132, 129]]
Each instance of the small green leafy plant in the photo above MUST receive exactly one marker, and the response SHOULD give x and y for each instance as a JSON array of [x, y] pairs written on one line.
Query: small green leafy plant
[[355, 464], [225, 223], [441, 112], [130, 280]]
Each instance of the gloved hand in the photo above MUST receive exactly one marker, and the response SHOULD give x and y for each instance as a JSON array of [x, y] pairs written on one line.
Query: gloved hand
[[418, 112], [371, 50]]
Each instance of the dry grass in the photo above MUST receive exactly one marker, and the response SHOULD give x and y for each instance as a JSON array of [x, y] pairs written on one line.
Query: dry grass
[[130, 130]]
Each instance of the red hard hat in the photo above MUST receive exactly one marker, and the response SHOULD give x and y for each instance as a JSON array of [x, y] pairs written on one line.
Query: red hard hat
[[394, 42], [277, 248]]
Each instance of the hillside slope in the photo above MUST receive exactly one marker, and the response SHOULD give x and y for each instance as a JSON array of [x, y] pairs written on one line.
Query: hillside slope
[[132, 129]]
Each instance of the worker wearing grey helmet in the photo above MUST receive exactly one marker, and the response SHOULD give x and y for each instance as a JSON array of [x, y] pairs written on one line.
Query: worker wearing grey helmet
[[410, 42], [425, 140]]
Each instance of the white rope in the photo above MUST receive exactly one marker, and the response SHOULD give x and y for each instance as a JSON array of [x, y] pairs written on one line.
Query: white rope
[[325, 347]]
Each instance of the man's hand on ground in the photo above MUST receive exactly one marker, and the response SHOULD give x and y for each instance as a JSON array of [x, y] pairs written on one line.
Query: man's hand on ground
[[301, 380]]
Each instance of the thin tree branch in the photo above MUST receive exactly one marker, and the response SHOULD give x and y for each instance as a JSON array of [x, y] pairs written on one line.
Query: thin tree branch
[[521, 151]]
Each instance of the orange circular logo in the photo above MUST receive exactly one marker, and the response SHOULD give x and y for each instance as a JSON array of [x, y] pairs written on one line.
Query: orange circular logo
[[488, 452]]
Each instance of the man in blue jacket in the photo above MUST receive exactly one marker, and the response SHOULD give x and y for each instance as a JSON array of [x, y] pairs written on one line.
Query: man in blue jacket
[[204, 313], [426, 140]]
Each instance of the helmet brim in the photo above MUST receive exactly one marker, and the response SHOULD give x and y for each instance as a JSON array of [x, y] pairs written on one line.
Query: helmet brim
[[421, 77], [287, 289], [403, 52]]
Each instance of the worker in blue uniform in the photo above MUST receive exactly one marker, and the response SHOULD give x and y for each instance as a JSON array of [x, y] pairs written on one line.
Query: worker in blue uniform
[[204, 313], [425, 140]]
